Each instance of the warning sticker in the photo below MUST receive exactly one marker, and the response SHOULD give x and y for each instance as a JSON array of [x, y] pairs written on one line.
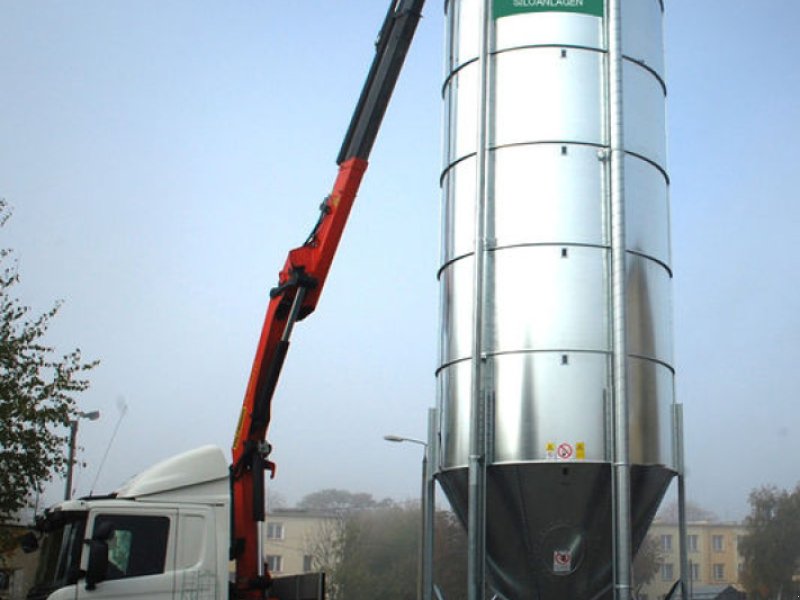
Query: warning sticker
[[550, 451], [564, 451], [580, 451], [562, 561]]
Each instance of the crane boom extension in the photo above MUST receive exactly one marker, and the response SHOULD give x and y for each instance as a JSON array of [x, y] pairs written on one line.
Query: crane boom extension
[[300, 284]]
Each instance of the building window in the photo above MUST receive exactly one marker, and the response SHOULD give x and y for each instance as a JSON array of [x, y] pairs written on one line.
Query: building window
[[716, 543], [666, 543], [691, 543], [275, 531], [275, 563], [719, 572], [694, 571], [667, 572], [308, 563]]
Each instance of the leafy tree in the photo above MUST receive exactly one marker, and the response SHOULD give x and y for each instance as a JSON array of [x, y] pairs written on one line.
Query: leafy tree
[[37, 394], [377, 548], [450, 555], [380, 554], [327, 545], [771, 548]]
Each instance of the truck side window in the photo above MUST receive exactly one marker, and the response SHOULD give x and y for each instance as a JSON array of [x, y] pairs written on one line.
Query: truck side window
[[137, 546]]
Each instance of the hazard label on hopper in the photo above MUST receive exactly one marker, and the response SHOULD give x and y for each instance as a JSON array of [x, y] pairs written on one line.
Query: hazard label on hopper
[[562, 561]]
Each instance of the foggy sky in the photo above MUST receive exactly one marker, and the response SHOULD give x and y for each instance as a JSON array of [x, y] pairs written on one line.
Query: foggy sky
[[161, 159]]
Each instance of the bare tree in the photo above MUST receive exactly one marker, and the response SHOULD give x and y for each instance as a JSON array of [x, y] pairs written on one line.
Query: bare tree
[[647, 563], [324, 546]]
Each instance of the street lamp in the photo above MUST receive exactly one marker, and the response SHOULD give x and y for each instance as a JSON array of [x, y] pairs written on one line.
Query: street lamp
[[427, 502], [73, 435], [397, 438]]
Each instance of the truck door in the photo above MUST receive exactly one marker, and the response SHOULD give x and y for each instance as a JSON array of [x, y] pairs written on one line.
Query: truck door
[[141, 554], [201, 573]]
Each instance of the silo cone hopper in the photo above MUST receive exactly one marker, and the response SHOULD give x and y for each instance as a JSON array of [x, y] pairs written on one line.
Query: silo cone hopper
[[527, 141], [549, 526]]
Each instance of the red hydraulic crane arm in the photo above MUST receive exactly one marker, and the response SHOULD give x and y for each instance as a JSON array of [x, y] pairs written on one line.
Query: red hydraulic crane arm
[[300, 284]]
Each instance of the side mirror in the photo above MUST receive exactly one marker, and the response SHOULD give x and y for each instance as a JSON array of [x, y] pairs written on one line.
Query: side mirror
[[97, 566], [29, 542], [98, 563], [103, 531]]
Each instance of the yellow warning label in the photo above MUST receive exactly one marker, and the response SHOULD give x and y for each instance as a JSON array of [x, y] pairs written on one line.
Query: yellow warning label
[[580, 450], [550, 450]]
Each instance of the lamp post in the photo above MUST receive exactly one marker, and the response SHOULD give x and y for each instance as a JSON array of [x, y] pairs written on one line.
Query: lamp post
[[427, 502], [73, 435]]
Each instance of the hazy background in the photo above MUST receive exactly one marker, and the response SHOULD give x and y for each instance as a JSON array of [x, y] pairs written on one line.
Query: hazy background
[[162, 157]]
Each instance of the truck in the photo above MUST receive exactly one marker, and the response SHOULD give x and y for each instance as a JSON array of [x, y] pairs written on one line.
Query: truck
[[192, 526]]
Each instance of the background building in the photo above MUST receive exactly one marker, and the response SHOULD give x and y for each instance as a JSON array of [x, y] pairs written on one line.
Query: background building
[[713, 553], [300, 541]]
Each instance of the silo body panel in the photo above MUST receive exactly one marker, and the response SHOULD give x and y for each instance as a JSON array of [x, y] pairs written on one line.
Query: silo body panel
[[569, 110], [547, 311]]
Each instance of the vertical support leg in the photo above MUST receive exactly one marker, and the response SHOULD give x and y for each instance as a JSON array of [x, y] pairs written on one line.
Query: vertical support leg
[[685, 575], [621, 456], [428, 507], [476, 517]]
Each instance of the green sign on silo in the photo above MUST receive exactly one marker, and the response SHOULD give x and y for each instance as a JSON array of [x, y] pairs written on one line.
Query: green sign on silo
[[504, 8]]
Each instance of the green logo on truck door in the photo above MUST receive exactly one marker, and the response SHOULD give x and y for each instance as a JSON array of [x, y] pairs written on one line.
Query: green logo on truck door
[[504, 8]]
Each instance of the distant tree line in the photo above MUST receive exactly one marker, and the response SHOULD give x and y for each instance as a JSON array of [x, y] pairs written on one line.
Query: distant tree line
[[374, 545]]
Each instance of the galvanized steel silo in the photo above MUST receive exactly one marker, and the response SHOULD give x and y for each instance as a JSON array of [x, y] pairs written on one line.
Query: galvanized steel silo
[[543, 315]]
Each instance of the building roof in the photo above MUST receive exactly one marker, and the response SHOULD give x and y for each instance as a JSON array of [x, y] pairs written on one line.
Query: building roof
[[699, 523], [302, 513]]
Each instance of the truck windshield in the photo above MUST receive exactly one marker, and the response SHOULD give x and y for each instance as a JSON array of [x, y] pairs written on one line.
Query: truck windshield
[[60, 553]]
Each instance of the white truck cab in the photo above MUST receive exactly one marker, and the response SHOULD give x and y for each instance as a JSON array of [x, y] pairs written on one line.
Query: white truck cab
[[164, 534]]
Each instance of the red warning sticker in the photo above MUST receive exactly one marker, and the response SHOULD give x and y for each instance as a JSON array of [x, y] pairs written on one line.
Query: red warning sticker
[[565, 451], [562, 561]]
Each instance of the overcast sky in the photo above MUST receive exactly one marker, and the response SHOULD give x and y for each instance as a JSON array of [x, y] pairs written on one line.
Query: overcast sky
[[161, 157]]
